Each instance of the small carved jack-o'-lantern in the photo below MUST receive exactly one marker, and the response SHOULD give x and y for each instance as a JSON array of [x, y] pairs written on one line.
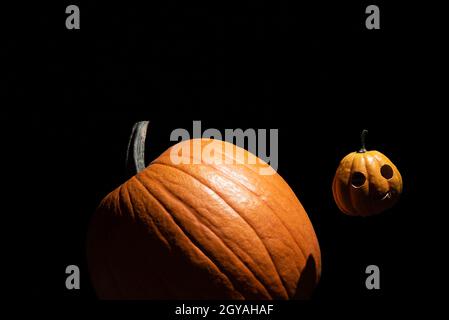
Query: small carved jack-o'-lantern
[[366, 182]]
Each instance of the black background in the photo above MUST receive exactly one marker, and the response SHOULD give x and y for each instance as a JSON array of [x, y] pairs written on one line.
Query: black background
[[310, 70]]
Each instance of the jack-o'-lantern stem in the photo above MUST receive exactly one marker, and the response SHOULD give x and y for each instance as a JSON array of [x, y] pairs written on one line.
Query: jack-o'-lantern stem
[[135, 157], [362, 138]]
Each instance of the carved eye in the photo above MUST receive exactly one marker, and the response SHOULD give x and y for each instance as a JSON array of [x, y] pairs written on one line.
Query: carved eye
[[358, 179], [386, 171]]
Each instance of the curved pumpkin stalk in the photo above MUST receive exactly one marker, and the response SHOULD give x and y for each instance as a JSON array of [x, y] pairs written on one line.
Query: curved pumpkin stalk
[[362, 139], [135, 156]]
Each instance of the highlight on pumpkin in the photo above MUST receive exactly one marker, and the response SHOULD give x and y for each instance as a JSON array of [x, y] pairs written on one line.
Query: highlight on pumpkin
[[366, 182], [203, 231], [216, 152], [196, 151]]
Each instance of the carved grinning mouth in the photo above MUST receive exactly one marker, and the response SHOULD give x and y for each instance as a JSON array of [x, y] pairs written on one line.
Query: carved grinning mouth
[[386, 196]]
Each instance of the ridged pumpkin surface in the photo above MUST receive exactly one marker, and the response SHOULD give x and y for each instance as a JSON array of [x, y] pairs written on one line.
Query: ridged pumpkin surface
[[203, 231]]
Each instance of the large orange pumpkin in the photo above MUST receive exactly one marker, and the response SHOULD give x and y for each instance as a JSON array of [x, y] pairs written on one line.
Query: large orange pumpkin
[[366, 183], [203, 231]]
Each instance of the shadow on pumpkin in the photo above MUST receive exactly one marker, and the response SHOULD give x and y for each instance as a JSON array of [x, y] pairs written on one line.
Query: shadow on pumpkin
[[131, 261], [307, 280]]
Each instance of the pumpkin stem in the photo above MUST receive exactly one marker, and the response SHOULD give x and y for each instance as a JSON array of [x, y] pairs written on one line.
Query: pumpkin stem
[[135, 157], [362, 138]]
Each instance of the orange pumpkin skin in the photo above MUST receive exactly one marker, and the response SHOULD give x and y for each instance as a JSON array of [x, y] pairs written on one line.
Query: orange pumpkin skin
[[203, 231], [366, 183]]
